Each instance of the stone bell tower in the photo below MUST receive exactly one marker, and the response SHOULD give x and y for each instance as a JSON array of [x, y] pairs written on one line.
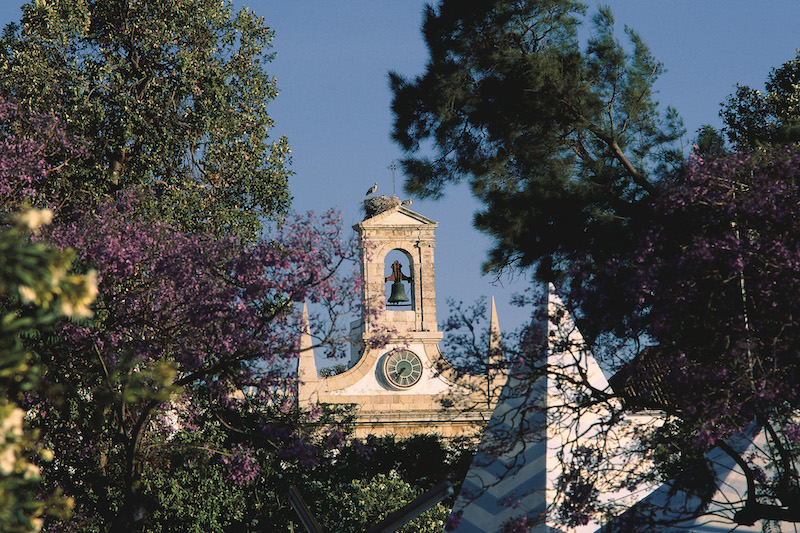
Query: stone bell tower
[[398, 379], [413, 322]]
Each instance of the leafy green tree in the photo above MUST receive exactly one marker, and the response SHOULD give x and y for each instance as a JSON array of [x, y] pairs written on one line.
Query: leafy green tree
[[754, 118], [370, 479], [354, 487], [560, 144], [171, 94], [361, 503], [189, 478]]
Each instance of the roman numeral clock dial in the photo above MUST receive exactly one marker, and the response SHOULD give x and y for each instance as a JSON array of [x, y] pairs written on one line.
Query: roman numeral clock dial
[[402, 369]]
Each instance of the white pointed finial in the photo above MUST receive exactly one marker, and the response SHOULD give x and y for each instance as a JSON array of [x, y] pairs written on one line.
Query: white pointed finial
[[306, 366]]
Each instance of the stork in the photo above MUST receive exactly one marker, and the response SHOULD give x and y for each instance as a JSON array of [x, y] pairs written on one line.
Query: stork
[[373, 189]]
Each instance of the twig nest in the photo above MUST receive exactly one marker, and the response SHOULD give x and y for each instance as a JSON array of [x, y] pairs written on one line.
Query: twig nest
[[378, 204]]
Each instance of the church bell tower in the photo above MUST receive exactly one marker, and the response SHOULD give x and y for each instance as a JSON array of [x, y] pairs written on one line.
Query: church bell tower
[[397, 248], [397, 378]]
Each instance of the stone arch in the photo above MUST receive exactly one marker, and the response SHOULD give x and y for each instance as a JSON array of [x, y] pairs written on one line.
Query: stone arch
[[406, 260]]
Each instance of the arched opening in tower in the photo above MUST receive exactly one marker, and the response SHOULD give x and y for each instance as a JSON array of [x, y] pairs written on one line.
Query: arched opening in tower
[[398, 284]]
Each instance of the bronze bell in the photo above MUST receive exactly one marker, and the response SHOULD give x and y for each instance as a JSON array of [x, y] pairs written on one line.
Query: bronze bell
[[398, 296]]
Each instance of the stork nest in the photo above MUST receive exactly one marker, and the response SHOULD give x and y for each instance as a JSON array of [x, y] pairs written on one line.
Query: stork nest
[[378, 204]]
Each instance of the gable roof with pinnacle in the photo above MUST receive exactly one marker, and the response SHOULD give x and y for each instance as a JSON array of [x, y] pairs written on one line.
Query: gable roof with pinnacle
[[395, 216]]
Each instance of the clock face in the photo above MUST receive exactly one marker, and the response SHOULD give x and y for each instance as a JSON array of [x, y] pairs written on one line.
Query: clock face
[[402, 368]]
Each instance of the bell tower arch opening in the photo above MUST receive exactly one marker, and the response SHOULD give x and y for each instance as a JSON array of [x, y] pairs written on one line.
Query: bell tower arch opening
[[399, 292]]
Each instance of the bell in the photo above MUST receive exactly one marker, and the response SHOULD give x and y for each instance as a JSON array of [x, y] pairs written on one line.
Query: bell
[[398, 296]]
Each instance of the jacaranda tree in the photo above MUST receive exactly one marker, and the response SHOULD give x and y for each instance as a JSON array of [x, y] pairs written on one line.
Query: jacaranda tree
[[695, 326], [34, 149], [712, 289], [198, 321], [186, 326]]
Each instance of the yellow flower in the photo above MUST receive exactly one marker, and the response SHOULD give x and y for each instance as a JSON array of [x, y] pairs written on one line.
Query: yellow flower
[[8, 458], [12, 422], [34, 218], [83, 293], [31, 472], [27, 294]]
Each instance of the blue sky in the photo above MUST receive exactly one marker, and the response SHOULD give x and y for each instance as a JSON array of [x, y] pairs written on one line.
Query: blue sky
[[332, 63]]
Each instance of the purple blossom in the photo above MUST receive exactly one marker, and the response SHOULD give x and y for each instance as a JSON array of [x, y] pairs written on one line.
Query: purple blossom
[[792, 433], [241, 466], [453, 521], [713, 284], [32, 145], [209, 303], [519, 524]]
